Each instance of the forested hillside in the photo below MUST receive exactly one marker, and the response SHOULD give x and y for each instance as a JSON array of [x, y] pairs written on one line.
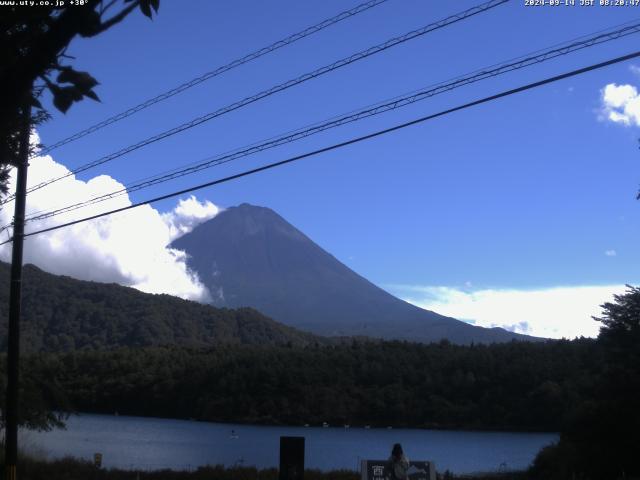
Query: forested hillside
[[504, 386], [63, 314]]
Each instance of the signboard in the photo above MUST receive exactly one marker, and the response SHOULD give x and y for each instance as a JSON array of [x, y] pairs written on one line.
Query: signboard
[[379, 470]]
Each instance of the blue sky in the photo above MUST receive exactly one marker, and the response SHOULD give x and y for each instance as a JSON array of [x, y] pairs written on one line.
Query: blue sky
[[534, 193]]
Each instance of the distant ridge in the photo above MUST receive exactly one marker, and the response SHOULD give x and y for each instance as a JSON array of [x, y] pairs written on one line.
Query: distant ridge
[[64, 314], [251, 256]]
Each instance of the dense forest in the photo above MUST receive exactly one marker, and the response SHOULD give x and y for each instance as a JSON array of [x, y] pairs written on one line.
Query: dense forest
[[511, 386], [63, 314]]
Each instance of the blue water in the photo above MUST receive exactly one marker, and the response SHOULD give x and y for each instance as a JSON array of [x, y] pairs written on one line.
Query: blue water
[[153, 443]]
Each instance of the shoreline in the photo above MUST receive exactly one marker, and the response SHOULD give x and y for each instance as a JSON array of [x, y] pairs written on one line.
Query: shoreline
[[320, 425]]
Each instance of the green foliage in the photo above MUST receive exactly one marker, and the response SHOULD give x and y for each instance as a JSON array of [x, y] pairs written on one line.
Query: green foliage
[[621, 320], [516, 386], [43, 402], [63, 314]]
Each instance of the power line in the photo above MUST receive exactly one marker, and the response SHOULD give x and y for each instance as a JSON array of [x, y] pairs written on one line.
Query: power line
[[381, 107], [345, 143], [278, 88], [218, 71]]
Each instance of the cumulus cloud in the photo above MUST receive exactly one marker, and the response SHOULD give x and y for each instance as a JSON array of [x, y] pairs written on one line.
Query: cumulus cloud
[[621, 104], [187, 215], [552, 312], [129, 248], [610, 253]]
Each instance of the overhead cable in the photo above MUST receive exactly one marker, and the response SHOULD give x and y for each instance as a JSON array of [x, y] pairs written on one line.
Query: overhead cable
[[336, 146], [276, 89], [214, 73], [381, 107]]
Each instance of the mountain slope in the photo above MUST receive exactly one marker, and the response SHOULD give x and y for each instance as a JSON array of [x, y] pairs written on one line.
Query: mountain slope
[[250, 256], [61, 314]]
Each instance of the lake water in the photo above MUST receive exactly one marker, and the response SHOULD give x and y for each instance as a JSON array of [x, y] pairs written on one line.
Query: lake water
[[153, 443]]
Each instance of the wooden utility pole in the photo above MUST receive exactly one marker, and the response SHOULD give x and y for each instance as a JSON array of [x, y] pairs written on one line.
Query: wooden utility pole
[[15, 294]]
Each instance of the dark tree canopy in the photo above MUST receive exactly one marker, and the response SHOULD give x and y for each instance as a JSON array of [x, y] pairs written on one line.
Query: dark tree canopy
[[33, 42], [621, 319], [601, 439]]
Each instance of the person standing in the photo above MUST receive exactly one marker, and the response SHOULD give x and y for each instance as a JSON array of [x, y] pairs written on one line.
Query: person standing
[[398, 464]]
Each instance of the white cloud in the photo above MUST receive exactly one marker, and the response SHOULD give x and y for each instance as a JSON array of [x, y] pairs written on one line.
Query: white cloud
[[621, 104], [187, 215], [552, 312], [129, 248], [634, 69], [610, 253]]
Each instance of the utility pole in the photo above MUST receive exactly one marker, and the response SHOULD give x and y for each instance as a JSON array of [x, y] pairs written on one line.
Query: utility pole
[[15, 295]]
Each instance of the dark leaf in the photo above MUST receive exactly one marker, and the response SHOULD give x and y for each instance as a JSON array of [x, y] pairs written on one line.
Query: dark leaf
[[92, 95], [155, 4], [83, 80], [64, 97], [145, 7], [62, 101], [65, 75], [35, 103], [74, 93]]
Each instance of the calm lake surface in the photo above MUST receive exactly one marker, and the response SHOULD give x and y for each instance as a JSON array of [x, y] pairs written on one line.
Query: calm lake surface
[[153, 443]]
